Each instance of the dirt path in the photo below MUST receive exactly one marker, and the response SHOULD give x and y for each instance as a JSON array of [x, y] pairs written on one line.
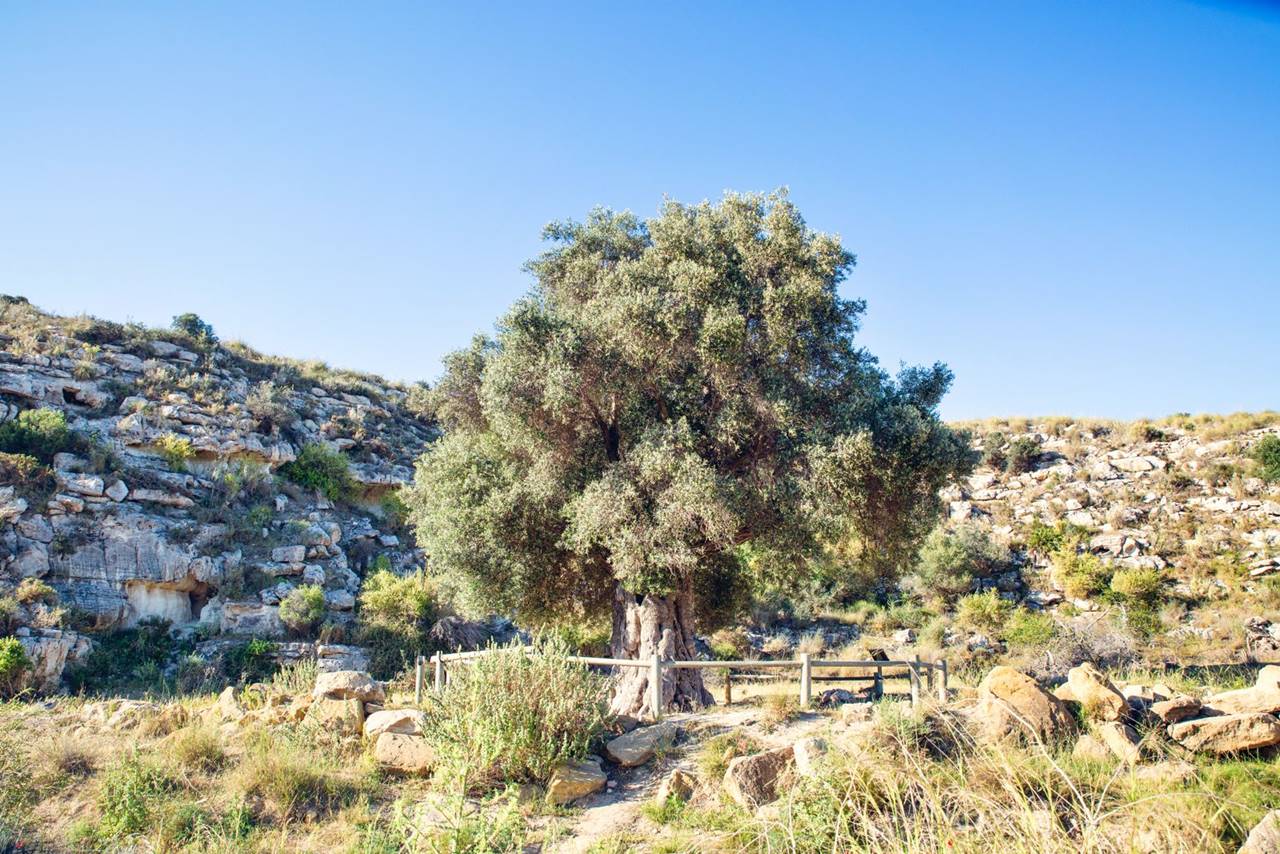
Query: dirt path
[[616, 813]]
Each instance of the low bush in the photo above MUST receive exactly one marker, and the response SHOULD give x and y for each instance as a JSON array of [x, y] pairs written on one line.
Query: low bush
[[1022, 455], [1139, 586], [251, 661], [993, 450], [950, 560], [394, 618], [14, 666], [29, 478], [1266, 456], [33, 591], [132, 793], [983, 612], [1029, 630], [198, 748], [325, 470], [175, 450], [294, 778], [302, 610], [38, 433], [126, 660], [1081, 574], [513, 715]]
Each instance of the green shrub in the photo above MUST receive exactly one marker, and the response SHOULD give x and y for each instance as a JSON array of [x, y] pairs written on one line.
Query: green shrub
[[28, 477], [1138, 585], [1081, 574], [176, 450], [325, 470], [993, 450], [394, 618], [126, 660], [950, 559], [251, 661], [1026, 629], [32, 591], [38, 433], [1266, 455], [131, 795], [512, 716], [1044, 539], [983, 612], [302, 609], [193, 327], [1021, 455], [14, 666]]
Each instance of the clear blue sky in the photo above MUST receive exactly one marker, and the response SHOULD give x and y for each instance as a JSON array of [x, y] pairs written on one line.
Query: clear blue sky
[[1076, 205]]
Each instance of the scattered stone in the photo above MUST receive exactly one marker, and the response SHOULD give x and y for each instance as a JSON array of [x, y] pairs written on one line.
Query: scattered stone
[[349, 684], [638, 746], [1094, 692], [574, 780], [1090, 748], [1265, 836], [1169, 773], [753, 780], [1176, 709], [397, 721], [408, 754], [289, 554], [342, 716], [678, 784], [1012, 704], [1225, 734], [1120, 739]]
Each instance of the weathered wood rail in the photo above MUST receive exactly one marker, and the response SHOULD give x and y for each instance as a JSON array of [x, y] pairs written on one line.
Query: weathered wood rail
[[923, 676]]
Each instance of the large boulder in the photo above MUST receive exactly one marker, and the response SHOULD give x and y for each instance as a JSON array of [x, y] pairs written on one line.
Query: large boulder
[[407, 754], [1263, 696], [1265, 836], [1225, 734], [573, 780], [638, 746], [1091, 688], [753, 780], [349, 684], [397, 721], [1013, 705], [344, 717], [50, 651]]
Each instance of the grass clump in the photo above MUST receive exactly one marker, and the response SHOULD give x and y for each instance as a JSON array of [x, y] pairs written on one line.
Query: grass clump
[[176, 451], [132, 793], [514, 714], [983, 612], [1081, 575], [1266, 456], [38, 433], [294, 778], [198, 748], [323, 469]]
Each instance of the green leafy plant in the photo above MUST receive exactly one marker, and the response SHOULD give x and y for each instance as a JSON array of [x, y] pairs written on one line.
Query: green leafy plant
[[175, 450], [38, 433], [193, 327], [323, 469], [983, 612], [1026, 629], [1266, 456], [1141, 586], [514, 714], [1022, 454], [251, 661], [1081, 574], [28, 476], [132, 793], [950, 560], [14, 666], [394, 617], [302, 610], [126, 660]]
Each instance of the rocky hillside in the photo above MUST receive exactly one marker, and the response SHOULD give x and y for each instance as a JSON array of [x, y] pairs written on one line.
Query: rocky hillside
[[193, 481], [1174, 509]]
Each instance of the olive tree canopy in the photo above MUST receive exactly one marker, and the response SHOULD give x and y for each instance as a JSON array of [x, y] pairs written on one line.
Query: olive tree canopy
[[669, 392]]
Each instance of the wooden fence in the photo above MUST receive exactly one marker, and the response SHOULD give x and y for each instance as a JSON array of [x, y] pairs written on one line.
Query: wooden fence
[[923, 676]]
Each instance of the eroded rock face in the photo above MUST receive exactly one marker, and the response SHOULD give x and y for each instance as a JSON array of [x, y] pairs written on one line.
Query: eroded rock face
[[1226, 734], [1013, 705], [753, 780], [51, 651]]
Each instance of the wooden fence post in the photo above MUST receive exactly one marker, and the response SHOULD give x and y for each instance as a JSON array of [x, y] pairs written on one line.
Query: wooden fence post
[[806, 680], [655, 686], [728, 686], [915, 686], [417, 680], [439, 672], [877, 687], [942, 681]]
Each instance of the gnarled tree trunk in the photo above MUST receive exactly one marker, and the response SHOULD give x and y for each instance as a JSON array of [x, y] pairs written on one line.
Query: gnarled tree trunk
[[642, 626]]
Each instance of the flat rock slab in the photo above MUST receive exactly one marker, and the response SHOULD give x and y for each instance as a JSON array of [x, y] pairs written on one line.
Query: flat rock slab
[[638, 746], [1176, 709], [574, 780], [1227, 733]]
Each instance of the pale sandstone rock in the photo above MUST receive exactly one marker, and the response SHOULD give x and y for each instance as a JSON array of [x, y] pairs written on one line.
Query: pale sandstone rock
[[753, 780], [638, 746], [397, 721], [1012, 704], [1176, 709], [574, 780], [1226, 734], [343, 716], [1094, 691], [408, 754], [678, 784], [809, 754], [1265, 836], [349, 684], [1121, 739]]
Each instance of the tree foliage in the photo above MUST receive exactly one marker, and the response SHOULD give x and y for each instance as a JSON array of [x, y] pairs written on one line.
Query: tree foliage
[[670, 392]]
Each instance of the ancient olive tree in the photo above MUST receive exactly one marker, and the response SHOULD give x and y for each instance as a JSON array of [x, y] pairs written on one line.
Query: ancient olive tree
[[670, 393]]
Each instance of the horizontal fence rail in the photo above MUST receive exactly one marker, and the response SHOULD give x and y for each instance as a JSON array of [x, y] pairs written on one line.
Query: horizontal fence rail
[[922, 675]]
